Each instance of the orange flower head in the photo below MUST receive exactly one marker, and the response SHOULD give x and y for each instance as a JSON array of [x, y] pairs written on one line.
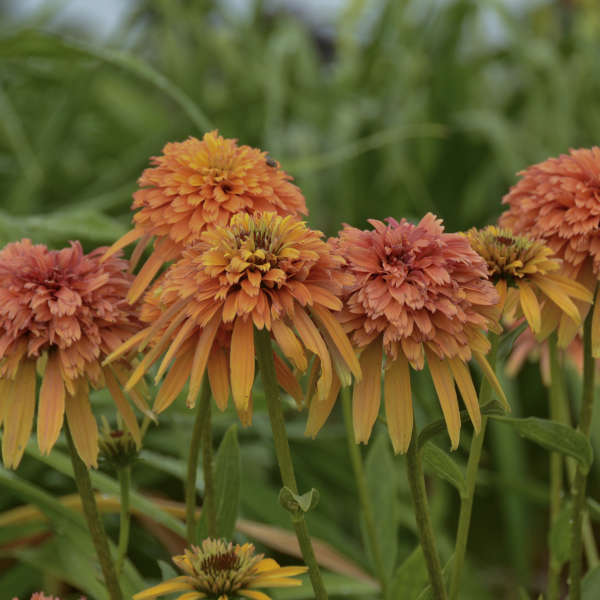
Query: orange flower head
[[197, 184], [65, 311], [558, 201], [418, 293], [263, 270], [527, 277], [218, 569]]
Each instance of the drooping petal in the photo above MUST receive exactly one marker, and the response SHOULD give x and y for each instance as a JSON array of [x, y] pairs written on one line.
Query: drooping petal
[[560, 298], [128, 238], [176, 378], [218, 376], [444, 386], [51, 406], [162, 252], [177, 584], [241, 362], [398, 403], [367, 392], [82, 424], [596, 329], [462, 376], [123, 406], [288, 381], [18, 416], [318, 412], [491, 377], [289, 344], [253, 595], [530, 306]]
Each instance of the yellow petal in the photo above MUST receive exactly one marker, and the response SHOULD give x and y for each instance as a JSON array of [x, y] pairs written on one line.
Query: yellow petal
[[266, 564], [18, 416], [82, 424], [319, 411], [501, 288], [530, 306], [5, 384], [218, 376], [339, 338], [367, 392], [398, 403], [123, 406], [201, 354], [176, 378], [551, 316], [51, 407], [289, 344], [493, 380], [567, 330], [241, 362], [288, 381], [462, 376], [559, 298], [192, 596], [569, 287], [446, 392], [177, 584], [253, 595]]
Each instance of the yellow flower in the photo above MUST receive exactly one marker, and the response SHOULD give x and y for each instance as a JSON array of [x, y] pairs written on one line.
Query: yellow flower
[[527, 276], [223, 571]]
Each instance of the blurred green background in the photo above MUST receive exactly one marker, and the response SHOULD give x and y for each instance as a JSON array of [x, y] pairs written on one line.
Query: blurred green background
[[377, 108]]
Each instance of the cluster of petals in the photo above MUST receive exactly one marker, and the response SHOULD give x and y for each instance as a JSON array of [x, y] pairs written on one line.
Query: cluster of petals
[[198, 184], [528, 278], [222, 570], [558, 201], [42, 596], [62, 311], [261, 271], [418, 293]]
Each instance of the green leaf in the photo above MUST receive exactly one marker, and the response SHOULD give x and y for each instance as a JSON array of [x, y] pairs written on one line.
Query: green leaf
[[227, 486], [444, 467], [337, 586], [507, 339], [382, 485], [411, 576], [553, 436], [559, 537], [590, 585], [298, 503]]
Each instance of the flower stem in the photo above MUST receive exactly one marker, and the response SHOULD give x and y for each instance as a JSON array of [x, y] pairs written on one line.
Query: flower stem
[[95, 526], [208, 501], [264, 354], [579, 484], [556, 464], [125, 518], [416, 483], [201, 423], [363, 494], [466, 502]]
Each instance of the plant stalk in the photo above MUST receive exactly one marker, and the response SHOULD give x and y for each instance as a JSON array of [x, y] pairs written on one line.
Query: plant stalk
[[466, 503], [416, 483], [363, 494], [124, 475], [264, 355], [92, 517], [579, 484], [201, 422]]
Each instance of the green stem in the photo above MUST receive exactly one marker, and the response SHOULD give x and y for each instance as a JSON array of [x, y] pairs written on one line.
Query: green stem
[[579, 484], [416, 483], [92, 517], [466, 502], [202, 415], [363, 494], [264, 354], [556, 464], [125, 519], [208, 501]]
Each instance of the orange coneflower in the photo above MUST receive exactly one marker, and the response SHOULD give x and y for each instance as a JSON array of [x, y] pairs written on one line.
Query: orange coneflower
[[195, 184], [262, 270], [558, 201], [419, 293], [61, 312], [224, 571], [528, 279]]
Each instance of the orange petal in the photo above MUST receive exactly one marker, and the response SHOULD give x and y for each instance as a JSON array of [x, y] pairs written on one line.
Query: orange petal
[[128, 238], [182, 335], [165, 317], [82, 424], [138, 251], [176, 378], [123, 406], [51, 407], [151, 357], [288, 381], [367, 392], [398, 403], [312, 339], [218, 376], [446, 392], [149, 270], [203, 348], [18, 416], [596, 330], [462, 376], [320, 411], [125, 347], [530, 306], [289, 344], [340, 339], [241, 362]]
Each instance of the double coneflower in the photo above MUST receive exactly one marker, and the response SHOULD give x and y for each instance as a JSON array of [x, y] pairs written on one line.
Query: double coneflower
[[261, 271], [61, 313], [419, 295], [197, 184]]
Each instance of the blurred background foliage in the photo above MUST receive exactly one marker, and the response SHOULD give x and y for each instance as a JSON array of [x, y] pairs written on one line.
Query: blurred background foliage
[[377, 108]]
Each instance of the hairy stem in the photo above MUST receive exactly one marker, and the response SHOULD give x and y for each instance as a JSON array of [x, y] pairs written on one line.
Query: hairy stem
[[124, 475]]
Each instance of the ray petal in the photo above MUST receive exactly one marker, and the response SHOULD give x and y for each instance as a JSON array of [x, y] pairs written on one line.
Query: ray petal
[[398, 403]]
